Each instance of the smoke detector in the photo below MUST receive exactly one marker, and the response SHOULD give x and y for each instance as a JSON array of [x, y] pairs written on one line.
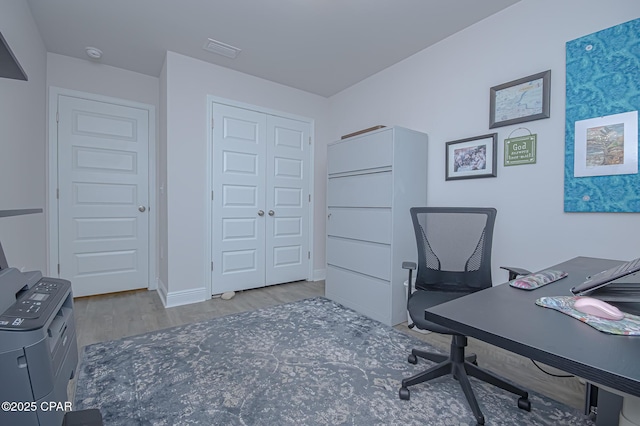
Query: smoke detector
[[93, 52], [220, 48]]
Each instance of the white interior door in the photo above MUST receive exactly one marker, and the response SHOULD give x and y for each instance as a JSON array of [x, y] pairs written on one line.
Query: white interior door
[[103, 219], [239, 157], [260, 207], [287, 236]]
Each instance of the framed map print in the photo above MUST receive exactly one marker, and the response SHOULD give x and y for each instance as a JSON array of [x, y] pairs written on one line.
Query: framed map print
[[517, 101]]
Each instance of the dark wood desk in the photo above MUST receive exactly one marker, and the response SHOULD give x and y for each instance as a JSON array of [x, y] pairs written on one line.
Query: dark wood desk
[[509, 318]]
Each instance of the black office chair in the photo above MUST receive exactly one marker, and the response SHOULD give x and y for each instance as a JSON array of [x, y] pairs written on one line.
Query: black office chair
[[454, 259]]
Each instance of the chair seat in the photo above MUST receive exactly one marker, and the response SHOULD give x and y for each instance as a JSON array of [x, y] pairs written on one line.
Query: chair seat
[[421, 300]]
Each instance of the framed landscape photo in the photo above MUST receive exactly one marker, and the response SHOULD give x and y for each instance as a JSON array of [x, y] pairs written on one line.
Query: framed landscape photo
[[517, 101], [470, 158], [606, 146]]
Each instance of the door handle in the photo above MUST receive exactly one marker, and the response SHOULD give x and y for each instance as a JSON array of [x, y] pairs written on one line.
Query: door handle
[[142, 209], [271, 212], [260, 212]]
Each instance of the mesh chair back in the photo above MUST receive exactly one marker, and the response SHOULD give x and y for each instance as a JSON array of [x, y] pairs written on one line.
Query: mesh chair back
[[454, 247]]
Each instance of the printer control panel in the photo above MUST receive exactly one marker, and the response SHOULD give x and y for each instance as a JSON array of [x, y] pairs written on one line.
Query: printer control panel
[[34, 306]]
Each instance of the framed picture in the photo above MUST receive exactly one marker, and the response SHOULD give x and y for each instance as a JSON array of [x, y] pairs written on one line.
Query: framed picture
[[606, 145], [517, 101], [472, 157]]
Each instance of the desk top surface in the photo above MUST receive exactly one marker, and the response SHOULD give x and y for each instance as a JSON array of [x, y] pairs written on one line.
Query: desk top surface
[[509, 318]]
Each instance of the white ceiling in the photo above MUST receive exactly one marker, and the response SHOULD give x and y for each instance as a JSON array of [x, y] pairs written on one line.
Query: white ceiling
[[320, 46]]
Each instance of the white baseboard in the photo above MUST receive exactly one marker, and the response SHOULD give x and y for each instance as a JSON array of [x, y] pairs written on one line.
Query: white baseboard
[[185, 297], [319, 274]]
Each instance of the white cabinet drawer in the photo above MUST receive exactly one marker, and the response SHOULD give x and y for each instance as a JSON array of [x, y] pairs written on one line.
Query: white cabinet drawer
[[368, 190], [360, 256], [360, 224], [367, 295], [362, 153]]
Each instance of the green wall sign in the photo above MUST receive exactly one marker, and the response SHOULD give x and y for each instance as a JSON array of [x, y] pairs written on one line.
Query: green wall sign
[[520, 150]]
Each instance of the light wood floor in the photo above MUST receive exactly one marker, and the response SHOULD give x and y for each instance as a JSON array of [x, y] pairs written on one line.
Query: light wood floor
[[118, 315]]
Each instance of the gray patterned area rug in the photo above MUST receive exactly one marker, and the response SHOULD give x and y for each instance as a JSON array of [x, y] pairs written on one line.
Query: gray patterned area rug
[[312, 362]]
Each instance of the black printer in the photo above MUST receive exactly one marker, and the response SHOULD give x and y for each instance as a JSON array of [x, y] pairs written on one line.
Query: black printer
[[38, 348]]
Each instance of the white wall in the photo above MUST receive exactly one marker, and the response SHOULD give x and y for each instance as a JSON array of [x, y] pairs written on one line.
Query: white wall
[[444, 91], [161, 168], [189, 81], [22, 140], [93, 77]]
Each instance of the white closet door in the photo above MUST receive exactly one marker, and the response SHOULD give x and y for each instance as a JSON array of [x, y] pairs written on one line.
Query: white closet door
[[261, 199], [103, 196], [287, 204], [238, 228]]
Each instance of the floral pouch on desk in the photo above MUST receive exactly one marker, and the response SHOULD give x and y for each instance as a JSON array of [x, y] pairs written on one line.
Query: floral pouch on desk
[[539, 279]]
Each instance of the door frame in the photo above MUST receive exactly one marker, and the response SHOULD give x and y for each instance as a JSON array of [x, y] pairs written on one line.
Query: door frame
[[208, 249], [52, 176]]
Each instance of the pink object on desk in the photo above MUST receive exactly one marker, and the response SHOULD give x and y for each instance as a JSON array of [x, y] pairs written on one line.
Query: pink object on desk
[[537, 280], [598, 308]]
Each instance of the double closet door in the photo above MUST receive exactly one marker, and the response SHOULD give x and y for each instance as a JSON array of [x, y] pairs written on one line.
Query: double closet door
[[260, 200]]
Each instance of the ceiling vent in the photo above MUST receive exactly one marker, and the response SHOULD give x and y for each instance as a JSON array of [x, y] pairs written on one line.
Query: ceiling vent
[[221, 48]]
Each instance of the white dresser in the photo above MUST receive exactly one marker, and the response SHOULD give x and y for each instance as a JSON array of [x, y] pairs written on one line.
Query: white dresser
[[373, 180]]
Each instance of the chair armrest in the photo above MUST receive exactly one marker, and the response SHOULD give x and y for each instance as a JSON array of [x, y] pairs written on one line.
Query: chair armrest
[[515, 272], [409, 265]]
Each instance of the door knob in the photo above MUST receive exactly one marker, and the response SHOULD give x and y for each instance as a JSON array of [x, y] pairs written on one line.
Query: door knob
[[271, 212], [142, 208], [260, 212]]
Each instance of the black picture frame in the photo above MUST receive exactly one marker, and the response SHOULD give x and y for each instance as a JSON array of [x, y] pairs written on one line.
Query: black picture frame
[[506, 106], [471, 158]]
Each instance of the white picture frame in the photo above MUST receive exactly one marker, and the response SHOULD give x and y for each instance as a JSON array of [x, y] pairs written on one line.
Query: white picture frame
[[606, 146]]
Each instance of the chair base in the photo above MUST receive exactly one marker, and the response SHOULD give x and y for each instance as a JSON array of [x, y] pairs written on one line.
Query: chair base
[[461, 368]]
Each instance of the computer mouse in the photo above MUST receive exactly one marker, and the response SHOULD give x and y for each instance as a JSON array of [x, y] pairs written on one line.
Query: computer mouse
[[598, 308]]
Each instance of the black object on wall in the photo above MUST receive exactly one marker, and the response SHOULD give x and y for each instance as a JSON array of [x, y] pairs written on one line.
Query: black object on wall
[[9, 66]]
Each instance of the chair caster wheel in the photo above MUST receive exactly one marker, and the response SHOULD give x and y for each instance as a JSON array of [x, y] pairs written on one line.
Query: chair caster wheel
[[404, 394], [524, 404], [412, 359], [480, 420]]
